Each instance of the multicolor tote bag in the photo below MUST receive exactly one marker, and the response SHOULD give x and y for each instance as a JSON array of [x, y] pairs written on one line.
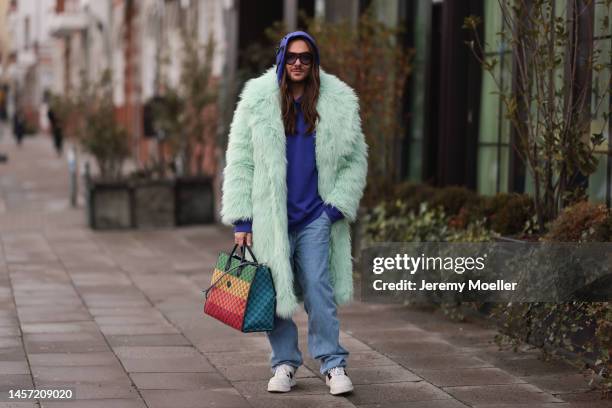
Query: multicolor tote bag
[[241, 293]]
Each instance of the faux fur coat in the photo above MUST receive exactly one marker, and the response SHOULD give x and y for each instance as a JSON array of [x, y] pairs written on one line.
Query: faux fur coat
[[254, 179]]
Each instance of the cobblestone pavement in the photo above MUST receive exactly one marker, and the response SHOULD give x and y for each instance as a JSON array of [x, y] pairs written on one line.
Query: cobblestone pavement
[[117, 317]]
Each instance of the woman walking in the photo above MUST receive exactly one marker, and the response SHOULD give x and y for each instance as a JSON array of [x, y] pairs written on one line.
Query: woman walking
[[296, 167]]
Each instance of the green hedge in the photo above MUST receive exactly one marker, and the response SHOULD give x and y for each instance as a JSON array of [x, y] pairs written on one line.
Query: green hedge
[[506, 214]]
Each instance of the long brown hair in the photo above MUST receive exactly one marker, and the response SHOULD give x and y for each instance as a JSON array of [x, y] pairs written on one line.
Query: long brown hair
[[308, 100]]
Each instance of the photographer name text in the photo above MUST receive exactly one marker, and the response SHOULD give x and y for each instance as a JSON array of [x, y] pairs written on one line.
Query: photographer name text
[[423, 285]]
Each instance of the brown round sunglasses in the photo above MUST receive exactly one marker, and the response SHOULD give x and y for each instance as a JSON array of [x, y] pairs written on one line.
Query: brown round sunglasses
[[305, 58]]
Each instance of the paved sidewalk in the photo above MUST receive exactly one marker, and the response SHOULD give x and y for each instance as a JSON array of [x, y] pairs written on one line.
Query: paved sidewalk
[[117, 316]]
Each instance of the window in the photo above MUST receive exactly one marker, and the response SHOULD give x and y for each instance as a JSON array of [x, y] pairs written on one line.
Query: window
[[418, 102], [493, 150], [599, 182]]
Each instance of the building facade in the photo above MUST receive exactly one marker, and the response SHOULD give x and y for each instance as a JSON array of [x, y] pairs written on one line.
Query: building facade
[[457, 133]]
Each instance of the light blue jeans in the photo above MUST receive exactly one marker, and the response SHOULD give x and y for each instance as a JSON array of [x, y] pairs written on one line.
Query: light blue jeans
[[309, 260]]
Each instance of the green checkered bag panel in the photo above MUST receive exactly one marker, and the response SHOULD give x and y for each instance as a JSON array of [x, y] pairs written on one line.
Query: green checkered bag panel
[[261, 304]]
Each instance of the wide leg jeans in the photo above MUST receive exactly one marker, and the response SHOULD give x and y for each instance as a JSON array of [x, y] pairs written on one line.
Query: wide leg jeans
[[309, 260]]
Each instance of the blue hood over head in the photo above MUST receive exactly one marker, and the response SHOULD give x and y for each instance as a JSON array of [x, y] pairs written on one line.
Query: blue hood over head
[[281, 51]]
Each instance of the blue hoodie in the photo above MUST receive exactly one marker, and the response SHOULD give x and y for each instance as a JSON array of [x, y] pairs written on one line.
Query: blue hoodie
[[304, 204]]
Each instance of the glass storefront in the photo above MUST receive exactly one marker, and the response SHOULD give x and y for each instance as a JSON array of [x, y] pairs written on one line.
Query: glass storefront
[[494, 134], [599, 182]]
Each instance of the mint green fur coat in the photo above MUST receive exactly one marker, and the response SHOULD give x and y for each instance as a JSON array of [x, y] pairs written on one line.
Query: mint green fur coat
[[254, 178]]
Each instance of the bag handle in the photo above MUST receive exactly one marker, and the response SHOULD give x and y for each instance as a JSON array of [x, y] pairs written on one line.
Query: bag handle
[[231, 255], [242, 264], [250, 252], [243, 257]]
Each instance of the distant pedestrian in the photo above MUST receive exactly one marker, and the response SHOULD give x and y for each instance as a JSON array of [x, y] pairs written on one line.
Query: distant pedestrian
[[294, 202], [18, 125], [56, 130]]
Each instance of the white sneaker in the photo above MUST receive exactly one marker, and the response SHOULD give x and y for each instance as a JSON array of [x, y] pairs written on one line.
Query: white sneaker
[[283, 380], [338, 381]]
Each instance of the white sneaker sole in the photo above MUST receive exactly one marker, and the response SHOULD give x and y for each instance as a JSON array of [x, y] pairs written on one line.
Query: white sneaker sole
[[277, 387], [340, 388]]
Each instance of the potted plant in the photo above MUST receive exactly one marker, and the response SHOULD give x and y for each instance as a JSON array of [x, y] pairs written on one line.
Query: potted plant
[[109, 201], [184, 117]]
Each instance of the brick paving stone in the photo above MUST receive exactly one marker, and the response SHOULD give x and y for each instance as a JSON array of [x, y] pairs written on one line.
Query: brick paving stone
[[152, 352], [179, 381], [591, 404], [526, 405], [163, 359], [500, 394], [218, 398], [583, 399], [450, 403], [133, 329], [9, 341], [58, 315], [396, 392], [100, 403], [120, 311], [508, 352], [218, 344], [10, 331], [14, 367], [148, 340], [128, 303], [225, 358], [381, 375], [167, 365], [41, 301], [300, 401], [95, 390], [442, 361], [15, 381], [61, 327], [8, 321], [469, 376], [402, 348], [80, 374], [64, 342], [351, 343], [560, 384], [533, 366], [73, 359], [109, 278], [12, 353], [149, 319]]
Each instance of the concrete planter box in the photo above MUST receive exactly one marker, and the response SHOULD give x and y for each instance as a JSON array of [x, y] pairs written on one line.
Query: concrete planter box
[[153, 203], [195, 201], [109, 205], [146, 204]]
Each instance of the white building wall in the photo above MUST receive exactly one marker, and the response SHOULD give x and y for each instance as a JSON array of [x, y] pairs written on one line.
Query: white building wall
[[211, 21], [101, 44], [153, 13], [159, 15], [98, 37], [118, 60], [30, 41]]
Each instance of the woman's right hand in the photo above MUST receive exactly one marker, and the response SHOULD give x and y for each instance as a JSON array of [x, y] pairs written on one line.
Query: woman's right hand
[[240, 237]]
